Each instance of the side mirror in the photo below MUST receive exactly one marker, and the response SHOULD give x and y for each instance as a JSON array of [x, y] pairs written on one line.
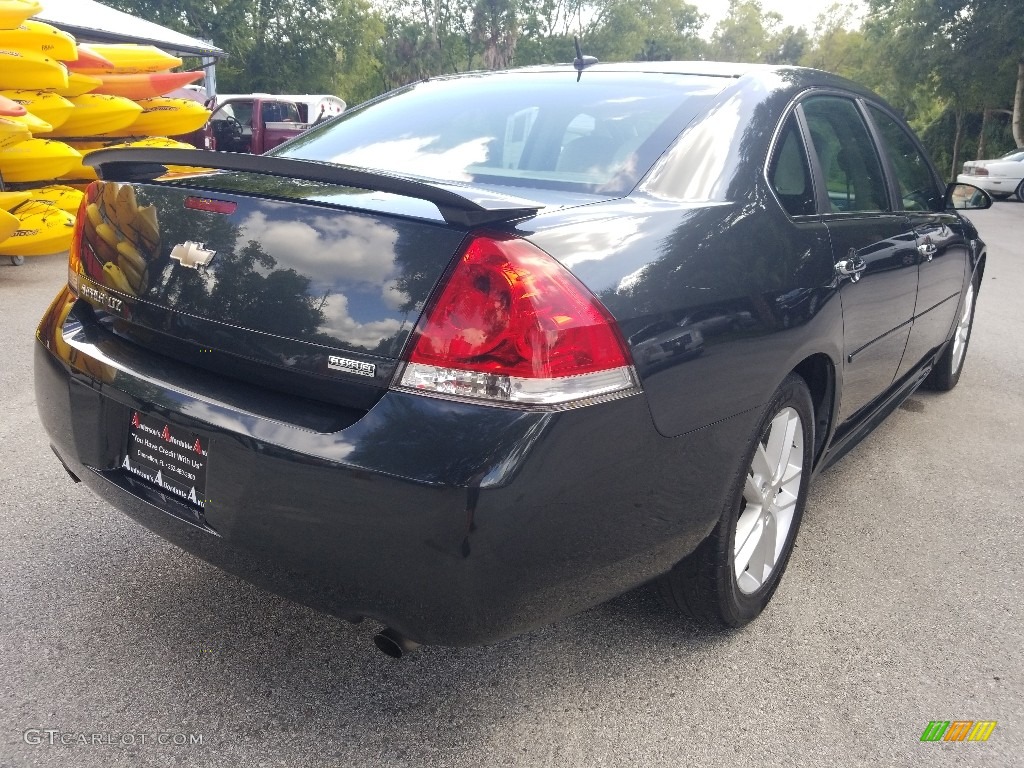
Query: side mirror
[[967, 196]]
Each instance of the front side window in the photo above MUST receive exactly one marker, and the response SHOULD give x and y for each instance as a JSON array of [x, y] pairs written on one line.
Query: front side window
[[917, 188], [846, 153], [546, 130], [235, 110]]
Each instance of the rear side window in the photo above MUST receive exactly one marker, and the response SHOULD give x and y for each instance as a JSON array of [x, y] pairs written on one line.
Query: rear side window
[[601, 134], [917, 188], [846, 153], [280, 112], [789, 173]]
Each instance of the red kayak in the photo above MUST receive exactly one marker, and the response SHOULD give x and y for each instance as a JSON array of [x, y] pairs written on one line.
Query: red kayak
[[147, 85], [9, 108]]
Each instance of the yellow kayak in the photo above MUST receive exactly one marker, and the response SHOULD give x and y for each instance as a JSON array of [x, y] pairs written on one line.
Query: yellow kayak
[[9, 200], [8, 225], [162, 116], [78, 84], [31, 70], [14, 12], [12, 132], [37, 160], [42, 229], [96, 114], [32, 123], [64, 197], [128, 59], [46, 105], [41, 38], [81, 172]]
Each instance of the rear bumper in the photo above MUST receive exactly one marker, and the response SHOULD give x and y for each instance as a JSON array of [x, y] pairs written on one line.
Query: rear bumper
[[994, 185], [453, 523]]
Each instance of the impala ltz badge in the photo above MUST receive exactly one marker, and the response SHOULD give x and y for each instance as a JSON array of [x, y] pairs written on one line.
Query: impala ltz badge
[[193, 255]]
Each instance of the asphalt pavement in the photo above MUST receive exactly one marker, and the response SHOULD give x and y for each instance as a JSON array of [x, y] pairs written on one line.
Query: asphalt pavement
[[902, 605]]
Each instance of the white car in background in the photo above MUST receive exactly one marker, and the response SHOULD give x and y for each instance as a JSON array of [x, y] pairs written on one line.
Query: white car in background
[[1000, 178]]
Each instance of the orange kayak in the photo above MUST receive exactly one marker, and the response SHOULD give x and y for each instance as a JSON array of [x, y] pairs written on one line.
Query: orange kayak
[[89, 59], [145, 85], [10, 108]]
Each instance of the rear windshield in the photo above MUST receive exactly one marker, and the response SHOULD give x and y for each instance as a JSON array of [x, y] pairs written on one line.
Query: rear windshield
[[538, 129]]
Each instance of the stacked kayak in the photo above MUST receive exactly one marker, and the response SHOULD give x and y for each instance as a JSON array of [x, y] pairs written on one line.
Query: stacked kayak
[[41, 229], [146, 85], [14, 12], [61, 100]]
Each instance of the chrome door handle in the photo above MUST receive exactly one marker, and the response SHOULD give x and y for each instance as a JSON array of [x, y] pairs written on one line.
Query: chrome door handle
[[851, 268], [928, 250]]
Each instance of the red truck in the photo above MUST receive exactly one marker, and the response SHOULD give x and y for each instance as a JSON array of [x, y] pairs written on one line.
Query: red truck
[[250, 124]]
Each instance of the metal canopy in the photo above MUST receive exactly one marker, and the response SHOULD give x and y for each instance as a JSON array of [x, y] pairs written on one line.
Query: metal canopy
[[91, 21]]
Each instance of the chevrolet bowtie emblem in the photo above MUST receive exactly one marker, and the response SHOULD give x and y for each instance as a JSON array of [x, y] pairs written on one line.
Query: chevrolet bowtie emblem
[[193, 255]]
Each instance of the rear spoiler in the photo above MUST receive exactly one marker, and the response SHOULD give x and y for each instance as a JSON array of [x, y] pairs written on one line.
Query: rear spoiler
[[461, 206]]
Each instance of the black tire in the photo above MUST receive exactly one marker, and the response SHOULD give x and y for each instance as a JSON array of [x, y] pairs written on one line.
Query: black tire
[[946, 373], [705, 585], [1020, 191]]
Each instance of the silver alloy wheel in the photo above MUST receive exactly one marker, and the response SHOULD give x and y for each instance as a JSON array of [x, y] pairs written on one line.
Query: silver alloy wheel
[[963, 330], [769, 501]]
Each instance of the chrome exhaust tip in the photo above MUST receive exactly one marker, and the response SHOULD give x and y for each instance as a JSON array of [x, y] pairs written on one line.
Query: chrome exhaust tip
[[391, 643]]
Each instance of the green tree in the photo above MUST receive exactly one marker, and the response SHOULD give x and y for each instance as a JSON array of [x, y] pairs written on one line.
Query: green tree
[[648, 30], [840, 47], [495, 31], [278, 46], [946, 61]]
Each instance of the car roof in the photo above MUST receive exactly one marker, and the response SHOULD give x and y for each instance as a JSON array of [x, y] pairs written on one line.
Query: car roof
[[797, 78], [707, 68]]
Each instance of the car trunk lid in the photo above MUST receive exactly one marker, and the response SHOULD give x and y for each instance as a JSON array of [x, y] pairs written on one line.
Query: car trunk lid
[[293, 294]]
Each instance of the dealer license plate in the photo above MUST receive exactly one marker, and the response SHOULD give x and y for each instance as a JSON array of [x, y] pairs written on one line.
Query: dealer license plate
[[168, 457]]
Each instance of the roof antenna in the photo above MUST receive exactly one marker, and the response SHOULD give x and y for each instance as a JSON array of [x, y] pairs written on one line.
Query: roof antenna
[[581, 62]]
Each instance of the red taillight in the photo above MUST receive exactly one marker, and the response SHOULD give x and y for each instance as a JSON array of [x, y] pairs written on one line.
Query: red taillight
[[511, 324], [981, 171]]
